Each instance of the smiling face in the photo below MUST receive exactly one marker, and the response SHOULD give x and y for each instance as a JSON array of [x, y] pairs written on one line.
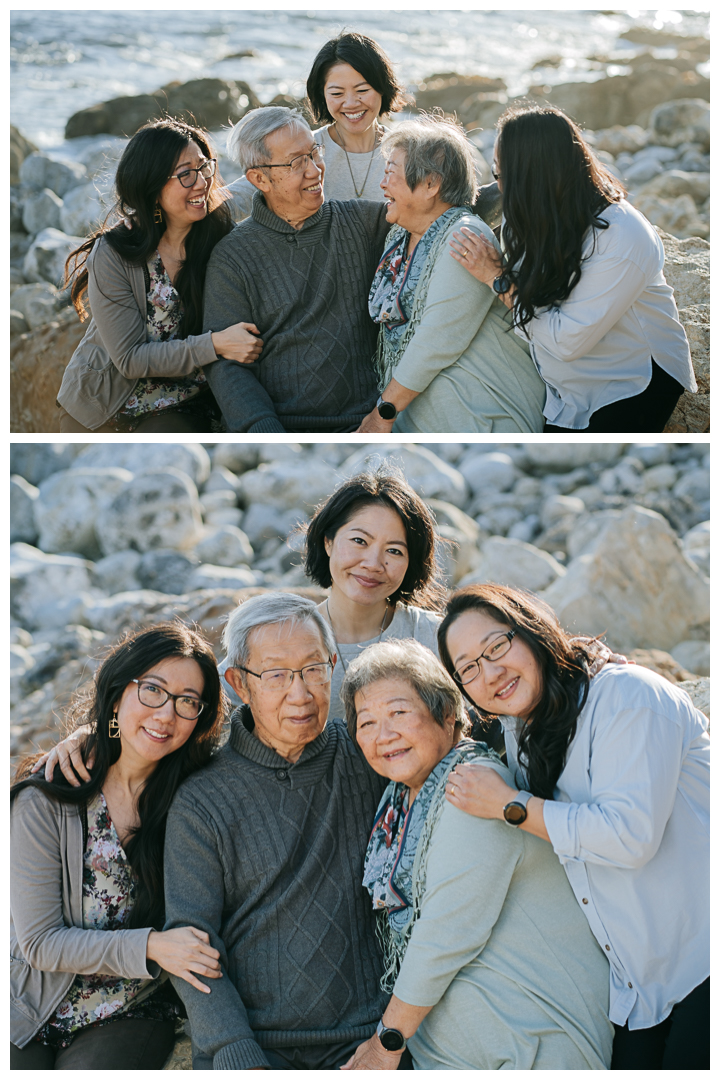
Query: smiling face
[[150, 733], [286, 720], [402, 203], [181, 206], [292, 195], [351, 100], [397, 733], [369, 555], [511, 686]]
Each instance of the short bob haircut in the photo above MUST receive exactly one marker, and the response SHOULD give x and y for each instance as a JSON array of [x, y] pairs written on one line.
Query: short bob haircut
[[246, 141], [383, 487], [271, 608], [436, 146], [414, 663], [366, 56]]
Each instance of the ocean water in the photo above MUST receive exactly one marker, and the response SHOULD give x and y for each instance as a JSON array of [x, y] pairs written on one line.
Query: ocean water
[[62, 61]]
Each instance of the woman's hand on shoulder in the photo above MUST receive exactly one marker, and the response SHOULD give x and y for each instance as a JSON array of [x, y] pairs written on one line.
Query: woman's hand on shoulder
[[478, 790], [68, 755], [241, 342], [479, 257], [185, 952]]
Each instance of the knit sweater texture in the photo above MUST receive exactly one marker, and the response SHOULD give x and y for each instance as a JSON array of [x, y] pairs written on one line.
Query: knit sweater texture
[[306, 291], [267, 857]]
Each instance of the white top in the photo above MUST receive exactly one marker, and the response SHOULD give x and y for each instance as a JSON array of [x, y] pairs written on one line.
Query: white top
[[630, 824], [338, 179], [595, 347]]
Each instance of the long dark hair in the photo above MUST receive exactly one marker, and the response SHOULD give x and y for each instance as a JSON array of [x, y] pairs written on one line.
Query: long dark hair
[[365, 55], [564, 670], [384, 487], [130, 659], [143, 170], [554, 190]]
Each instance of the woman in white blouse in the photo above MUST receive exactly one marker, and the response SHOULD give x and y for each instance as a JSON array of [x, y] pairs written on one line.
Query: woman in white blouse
[[582, 271], [612, 770]]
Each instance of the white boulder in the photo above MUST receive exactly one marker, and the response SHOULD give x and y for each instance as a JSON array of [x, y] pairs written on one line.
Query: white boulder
[[23, 497], [512, 562], [424, 471], [493, 471], [45, 589], [42, 211], [208, 576], [46, 256], [68, 505], [565, 456], [190, 458], [156, 509], [694, 656], [225, 545], [288, 484]]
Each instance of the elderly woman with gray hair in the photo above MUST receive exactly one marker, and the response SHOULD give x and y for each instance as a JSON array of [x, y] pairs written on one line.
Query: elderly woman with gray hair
[[445, 360], [491, 962]]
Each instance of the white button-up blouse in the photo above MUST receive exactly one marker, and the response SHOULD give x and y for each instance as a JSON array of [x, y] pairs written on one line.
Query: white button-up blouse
[[630, 824]]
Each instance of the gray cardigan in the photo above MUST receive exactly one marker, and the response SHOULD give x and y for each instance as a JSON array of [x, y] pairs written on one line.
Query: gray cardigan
[[48, 946], [115, 352]]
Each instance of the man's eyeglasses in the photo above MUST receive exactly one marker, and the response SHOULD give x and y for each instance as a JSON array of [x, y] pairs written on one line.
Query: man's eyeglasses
[[495, 651], [300, 163], [281, 678], [153, 697], [188, 177]]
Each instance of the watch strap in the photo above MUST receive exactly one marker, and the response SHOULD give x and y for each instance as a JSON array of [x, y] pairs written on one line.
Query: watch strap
[[521, 799]]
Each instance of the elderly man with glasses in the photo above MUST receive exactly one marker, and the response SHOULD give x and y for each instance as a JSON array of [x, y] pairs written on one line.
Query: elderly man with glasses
[[264, 851], [300, 270]]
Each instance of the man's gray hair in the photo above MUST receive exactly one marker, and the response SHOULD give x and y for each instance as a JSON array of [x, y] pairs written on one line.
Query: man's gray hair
[[438, 147], [409, 660], [270, 609], [246, 141]]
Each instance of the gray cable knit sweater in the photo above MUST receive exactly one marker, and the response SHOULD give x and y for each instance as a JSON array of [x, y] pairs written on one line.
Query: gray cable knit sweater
[[267, 857], [306, 291]]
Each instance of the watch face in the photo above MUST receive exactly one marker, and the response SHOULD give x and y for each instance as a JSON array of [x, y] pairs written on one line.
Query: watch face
[[392, 1039], [515, 813], [387, 410]]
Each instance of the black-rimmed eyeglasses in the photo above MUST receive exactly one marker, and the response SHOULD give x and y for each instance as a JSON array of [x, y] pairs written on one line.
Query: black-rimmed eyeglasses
[[281, 678], [300, 163], [495, 651], [188, 177], [154, 697]]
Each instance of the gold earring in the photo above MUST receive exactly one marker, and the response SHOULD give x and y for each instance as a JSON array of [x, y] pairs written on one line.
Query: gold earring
[[158, 214], [114, 727]]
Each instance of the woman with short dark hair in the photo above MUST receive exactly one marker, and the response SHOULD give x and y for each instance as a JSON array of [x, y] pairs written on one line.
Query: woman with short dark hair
[[582, 272], [612, 770], [140, 365], [86, 886]]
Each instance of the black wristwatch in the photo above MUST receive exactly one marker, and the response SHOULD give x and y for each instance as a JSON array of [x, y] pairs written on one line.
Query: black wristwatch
[[386, 409], [502, 284], [516, 811], [390, 1038]]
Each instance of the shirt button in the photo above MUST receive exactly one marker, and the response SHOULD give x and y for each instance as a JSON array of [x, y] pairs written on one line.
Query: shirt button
[[585, 899], [630, 985], [281, 774], [608, 948]]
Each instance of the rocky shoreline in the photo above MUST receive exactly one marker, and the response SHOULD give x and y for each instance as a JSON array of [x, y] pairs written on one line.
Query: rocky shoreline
[[650, 126]]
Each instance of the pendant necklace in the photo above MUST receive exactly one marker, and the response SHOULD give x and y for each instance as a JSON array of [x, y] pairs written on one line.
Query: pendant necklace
[[358, 194], [382, 630]]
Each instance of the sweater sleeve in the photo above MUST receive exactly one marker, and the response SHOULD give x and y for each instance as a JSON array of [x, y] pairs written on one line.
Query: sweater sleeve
[[195, 896], [46, 941], [123, 326], [470, 865], [245, 403], [454, 310]]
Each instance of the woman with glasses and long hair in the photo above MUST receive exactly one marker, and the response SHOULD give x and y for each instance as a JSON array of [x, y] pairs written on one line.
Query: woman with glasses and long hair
[[87, 955], [612, 770], [582, 272], [140, 366]]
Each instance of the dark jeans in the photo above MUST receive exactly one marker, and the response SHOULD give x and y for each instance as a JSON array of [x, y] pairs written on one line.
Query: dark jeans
[[196, 415], [124, 1044], [328, 1056], [649, 411], [682, 1041]]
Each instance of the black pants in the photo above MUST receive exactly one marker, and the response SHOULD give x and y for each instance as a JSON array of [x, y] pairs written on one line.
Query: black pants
[[649, 411], [682, 1041], [124, 1044], [328, 1056]]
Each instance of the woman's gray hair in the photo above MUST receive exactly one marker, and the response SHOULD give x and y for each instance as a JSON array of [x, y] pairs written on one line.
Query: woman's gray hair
[[246, 141], [409, 660], [436, 146], [270, 608]]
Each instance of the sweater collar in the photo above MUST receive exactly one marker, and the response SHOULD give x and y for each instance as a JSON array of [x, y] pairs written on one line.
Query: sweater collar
[[262, 213], [245, 743]]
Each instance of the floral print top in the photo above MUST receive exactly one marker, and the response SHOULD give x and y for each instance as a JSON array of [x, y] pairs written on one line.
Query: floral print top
[[164, 314], [108, 894]]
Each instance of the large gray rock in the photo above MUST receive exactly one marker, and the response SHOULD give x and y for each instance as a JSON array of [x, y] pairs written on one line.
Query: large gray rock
[[462, 553], [695, 484], [225, 545], [681, 121], [677, 216], [428, 474], [23, 497], [117, 573], [633, 582], [68, 506], [47, 255], [37, 460], [165, 570], [37, 302], [262, 522], [288, 484], [222, 577], [190, 458], [38, 171], [493, 471], [674, 182], [45, 589], [696, 545], [42, 211], [157, 509], [512, 562], [694, 656], [85, 208], [564, 456]]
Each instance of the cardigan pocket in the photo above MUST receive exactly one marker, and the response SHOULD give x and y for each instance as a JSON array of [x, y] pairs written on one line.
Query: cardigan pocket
[[98, 360]]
